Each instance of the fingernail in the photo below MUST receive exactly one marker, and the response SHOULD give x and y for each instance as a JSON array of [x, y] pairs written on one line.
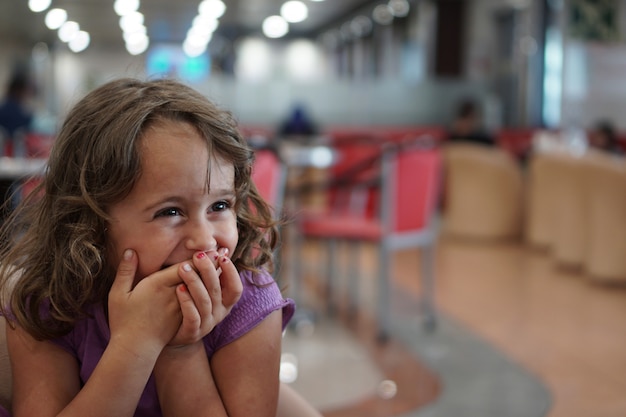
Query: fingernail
[[182, 287], [200, 255], [224, 259], [128, 253], [187, 267]]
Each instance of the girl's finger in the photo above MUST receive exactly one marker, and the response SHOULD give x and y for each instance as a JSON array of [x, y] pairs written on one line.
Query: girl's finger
[[191, 316], [230, 282], [126, 270], [195, 280], [209, 273]]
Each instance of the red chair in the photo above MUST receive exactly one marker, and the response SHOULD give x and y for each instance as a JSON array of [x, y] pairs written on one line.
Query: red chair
[[349, 187], [269, 175], [410, 175]]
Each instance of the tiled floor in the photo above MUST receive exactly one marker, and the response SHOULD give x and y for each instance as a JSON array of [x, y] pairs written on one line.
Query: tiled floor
[[517, 337]]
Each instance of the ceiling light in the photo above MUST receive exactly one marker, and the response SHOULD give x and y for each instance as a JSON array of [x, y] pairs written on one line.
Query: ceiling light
[[38, 5], [123, 7], [135, 37], [294, 11], [213, 8], [203, 25], [138, 45], [193, 49], [275, 27], [79, 42], [55, 18], [382, 14], [399, 8], [68, 30], [130, 22]]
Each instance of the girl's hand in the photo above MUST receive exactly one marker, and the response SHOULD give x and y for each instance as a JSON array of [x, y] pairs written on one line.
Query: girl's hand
[[211, 288], [148, 315]]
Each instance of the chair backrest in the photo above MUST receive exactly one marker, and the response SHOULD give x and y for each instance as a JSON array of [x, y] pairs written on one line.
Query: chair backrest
[[516, 141], [353, 178], [269, 175], [411, 187]]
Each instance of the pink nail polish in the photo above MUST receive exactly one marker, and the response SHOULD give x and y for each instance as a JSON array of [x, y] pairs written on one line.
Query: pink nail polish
[[200, 255]]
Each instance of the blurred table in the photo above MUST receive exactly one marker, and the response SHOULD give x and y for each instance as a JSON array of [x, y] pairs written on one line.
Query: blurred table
[[12, 169], [307, 156]]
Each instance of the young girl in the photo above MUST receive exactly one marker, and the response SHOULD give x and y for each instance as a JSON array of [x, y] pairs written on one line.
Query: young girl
[[135, 283]]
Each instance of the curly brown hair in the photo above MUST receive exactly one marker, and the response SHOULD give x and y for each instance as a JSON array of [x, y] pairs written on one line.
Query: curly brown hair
[[53, 246]]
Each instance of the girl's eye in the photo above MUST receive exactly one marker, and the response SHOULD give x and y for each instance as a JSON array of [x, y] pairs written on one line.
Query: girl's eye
[[168, 212], [221, 206]]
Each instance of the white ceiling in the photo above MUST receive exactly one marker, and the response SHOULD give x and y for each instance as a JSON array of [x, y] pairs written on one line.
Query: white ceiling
[[166, 20]]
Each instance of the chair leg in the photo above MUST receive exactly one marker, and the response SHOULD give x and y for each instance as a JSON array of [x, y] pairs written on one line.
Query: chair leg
[[384, 293], [331, 275], [304, 316], [428, 288], [353, 279], [296, 254]]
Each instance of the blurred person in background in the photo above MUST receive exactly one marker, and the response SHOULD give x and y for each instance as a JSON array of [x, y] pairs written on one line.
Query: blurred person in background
[[603, 136], [298, 124], [16, 116], [467, 125]]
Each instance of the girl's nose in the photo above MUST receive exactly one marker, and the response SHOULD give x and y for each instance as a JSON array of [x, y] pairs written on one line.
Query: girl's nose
[[200, 236]]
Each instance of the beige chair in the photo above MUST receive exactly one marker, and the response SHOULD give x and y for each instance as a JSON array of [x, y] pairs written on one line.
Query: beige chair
[[606, 253], [569, 217], [5, 368], [542, 194], [483, 193]]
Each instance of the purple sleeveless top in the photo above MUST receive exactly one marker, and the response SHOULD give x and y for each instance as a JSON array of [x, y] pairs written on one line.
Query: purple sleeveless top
[[261, 296]]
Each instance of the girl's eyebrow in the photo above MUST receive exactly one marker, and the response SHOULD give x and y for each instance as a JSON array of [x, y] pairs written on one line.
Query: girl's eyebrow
[[165, 200]]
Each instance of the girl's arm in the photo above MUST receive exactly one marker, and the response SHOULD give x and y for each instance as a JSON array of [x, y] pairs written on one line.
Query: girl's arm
[[46, 378], [246, 371], [240, 381]]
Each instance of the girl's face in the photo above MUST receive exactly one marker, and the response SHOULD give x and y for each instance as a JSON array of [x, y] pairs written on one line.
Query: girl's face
[[170, 214]]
